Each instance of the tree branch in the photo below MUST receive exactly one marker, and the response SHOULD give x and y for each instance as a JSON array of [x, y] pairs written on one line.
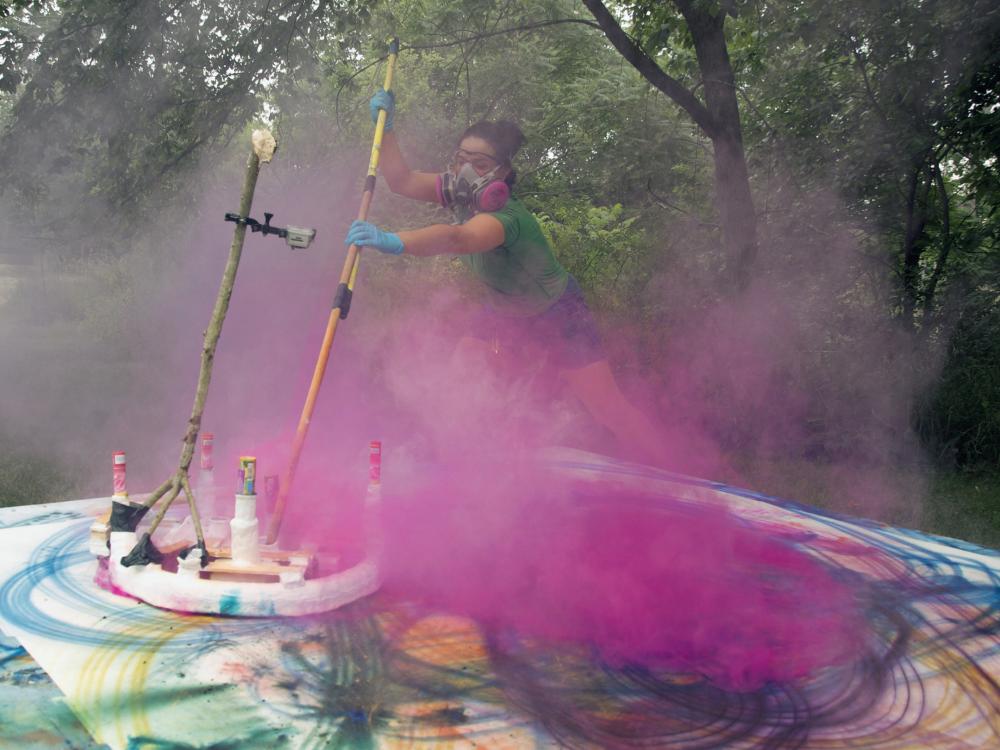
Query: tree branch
[[461, 41], [859, 62], [664, 203], [652, 72], [498, 32], [945, 239]]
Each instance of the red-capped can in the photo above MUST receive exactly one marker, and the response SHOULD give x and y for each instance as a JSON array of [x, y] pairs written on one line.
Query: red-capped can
[[118, 473], [375, 462], [207, 450]]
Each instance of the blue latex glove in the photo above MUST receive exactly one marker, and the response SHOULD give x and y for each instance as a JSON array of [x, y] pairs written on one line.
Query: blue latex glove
[[364, 234], [383, 100]]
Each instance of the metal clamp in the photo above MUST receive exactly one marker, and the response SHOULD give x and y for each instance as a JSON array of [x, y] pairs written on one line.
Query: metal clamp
[[295, 236]]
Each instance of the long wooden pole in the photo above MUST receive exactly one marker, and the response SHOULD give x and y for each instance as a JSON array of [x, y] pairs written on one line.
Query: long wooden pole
[[341, 306]]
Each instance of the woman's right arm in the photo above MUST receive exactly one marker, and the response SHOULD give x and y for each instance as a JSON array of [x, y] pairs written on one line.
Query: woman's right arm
[[402, 180]]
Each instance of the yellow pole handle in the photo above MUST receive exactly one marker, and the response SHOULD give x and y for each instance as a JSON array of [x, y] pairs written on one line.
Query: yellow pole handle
[[341, 304]]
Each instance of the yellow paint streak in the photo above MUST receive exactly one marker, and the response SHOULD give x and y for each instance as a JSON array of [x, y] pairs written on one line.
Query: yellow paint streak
[[109, 695]]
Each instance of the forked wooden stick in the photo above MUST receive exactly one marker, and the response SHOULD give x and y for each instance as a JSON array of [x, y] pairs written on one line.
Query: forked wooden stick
[[143, 552]]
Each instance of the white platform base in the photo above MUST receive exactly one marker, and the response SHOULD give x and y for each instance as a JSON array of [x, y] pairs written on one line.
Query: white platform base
[[191, 593]]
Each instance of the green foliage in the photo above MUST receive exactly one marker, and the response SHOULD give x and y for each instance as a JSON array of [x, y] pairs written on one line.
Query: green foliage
[[128, 94], [867, 96], [873, 121], [965, 506], [962, 505], [961, 419], [661, 31], [892, 108], [29, 476], [599, 245]]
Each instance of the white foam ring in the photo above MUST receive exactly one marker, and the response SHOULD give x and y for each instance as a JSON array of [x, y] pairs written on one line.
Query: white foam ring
[[184, 593], [245, 540]]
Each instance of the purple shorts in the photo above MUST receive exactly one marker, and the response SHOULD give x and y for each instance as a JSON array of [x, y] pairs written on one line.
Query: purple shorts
[[566, 332]]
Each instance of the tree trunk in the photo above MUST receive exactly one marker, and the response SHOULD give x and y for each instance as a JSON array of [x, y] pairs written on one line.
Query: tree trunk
[[718, 117], [916, 220], [735, 206], [733, 199], [942, 260]]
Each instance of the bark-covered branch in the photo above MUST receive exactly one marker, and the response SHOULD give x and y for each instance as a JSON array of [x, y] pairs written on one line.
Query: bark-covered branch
[[497, 32], [180, 481], [647, 66], [945, 240]]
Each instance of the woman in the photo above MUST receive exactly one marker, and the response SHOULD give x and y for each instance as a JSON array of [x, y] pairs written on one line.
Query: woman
[[528, 295]]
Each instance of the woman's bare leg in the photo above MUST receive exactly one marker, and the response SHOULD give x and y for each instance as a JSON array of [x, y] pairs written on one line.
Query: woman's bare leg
[[595, 386]]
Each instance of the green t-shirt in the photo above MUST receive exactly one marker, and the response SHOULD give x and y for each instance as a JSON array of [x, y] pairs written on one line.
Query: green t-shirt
[[522, 275]]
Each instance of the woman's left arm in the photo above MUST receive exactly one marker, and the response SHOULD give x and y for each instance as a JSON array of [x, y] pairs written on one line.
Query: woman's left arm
[[479, 234]]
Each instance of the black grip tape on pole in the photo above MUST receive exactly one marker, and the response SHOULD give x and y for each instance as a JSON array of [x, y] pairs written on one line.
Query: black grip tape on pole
[[370, 183], [342, 299]]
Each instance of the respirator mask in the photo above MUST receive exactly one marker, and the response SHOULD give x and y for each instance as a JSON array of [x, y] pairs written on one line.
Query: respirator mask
[[467, 192]]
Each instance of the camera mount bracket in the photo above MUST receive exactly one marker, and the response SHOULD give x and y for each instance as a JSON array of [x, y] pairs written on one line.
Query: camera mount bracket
[[296, 237]]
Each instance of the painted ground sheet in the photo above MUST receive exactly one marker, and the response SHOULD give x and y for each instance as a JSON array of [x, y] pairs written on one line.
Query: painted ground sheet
[[33, 712], [381, 673]]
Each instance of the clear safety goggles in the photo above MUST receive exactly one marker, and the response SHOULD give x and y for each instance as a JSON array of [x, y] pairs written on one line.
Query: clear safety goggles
[[478, 160]]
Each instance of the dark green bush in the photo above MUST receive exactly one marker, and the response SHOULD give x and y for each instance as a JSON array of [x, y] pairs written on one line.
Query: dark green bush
[[28, 477], [959, 421]]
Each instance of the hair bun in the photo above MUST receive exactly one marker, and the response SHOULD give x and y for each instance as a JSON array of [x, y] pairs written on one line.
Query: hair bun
[[511, 136], [505, 136]]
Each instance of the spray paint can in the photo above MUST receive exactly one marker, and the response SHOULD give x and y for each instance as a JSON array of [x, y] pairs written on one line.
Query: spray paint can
[[118, 473], [206, 476], [207, 450], [373, 502], [244, 540], [247, 476], [271, 485], [375, 462]]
